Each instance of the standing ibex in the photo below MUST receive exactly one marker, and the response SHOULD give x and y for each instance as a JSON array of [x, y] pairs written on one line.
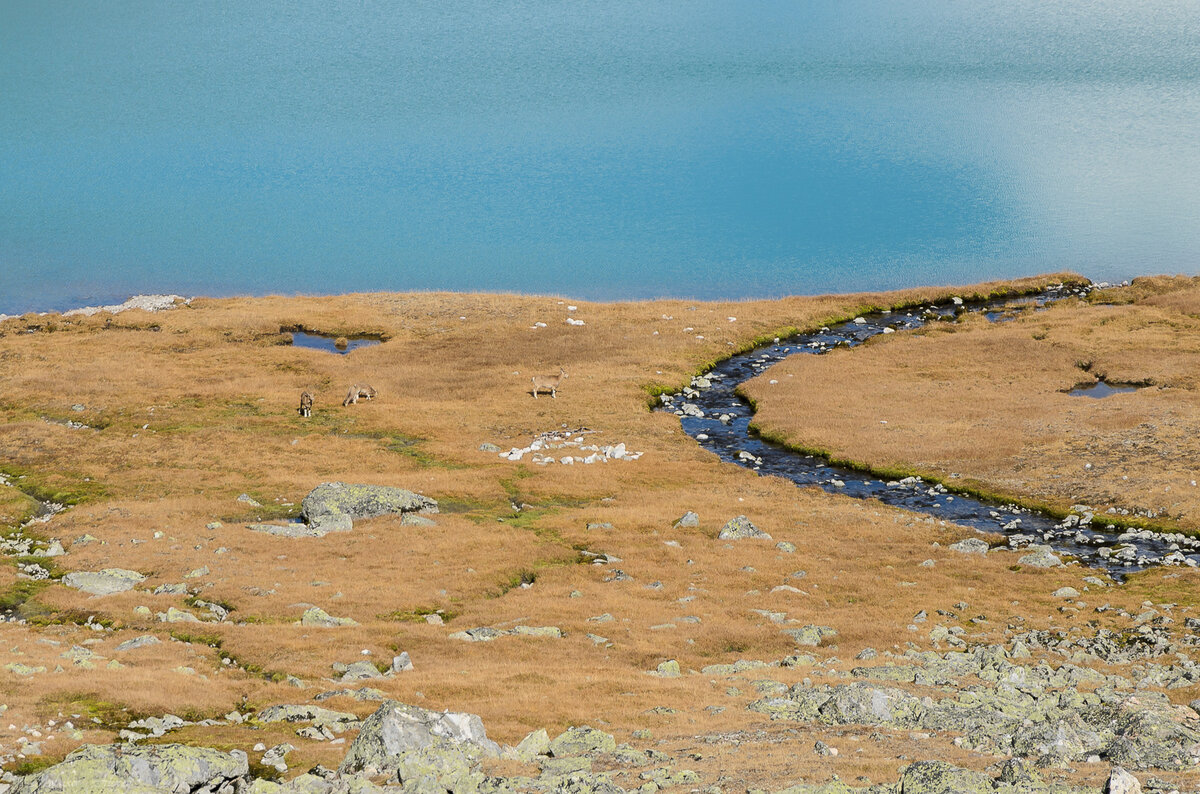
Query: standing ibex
[[363, 390], [306, 400], [547, 383]]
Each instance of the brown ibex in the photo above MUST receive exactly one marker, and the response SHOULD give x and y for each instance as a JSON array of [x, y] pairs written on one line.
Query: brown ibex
[[547, 383], [306, 401], [363, 390]]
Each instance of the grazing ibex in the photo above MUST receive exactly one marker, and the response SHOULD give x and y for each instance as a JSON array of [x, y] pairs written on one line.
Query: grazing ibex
[[358, 390], [547, 383], [306, 400]]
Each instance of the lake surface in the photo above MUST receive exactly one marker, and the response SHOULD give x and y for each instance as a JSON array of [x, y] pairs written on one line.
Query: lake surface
[[602, 150]]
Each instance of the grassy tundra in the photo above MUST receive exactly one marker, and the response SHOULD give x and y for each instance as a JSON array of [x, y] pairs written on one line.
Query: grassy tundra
[[185, 410]]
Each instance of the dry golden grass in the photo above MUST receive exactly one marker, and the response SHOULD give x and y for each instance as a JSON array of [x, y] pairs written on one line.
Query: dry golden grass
[[190, 408]]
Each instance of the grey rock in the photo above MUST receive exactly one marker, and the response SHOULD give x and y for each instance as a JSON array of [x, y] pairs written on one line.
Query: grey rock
[[1040, 557], [138, 642], [414, 520], [488, 446], [397, 730], [534, 744], [739, 528], [334, 502], [336, 721], [810, 636], [298, 530], [970, 546], [939, 777], [315, 616], [401, 663], [864, 704], [134, 769], [688, 519], [105, 582], [1122, 782], [360, 671], [582, 740]]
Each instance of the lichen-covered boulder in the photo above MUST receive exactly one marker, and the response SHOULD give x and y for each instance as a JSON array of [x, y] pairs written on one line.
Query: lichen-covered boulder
[[939, 777], [315, 616], [865, 704], [1040, 557], [333, 502], [105, 582], [1153, 733], [739, 528], [396, 730], [970, 546], [582, 740], [133, 769]]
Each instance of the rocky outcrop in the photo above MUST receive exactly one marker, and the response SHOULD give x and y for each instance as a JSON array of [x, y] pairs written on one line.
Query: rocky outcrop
[[131, 769]]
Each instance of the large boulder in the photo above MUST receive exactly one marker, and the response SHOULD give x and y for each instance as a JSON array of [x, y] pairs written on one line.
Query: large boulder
[[105, 582], [133, 769], [1151, 732], [333, 503], [582, 740], [439, 739], [864, 704]]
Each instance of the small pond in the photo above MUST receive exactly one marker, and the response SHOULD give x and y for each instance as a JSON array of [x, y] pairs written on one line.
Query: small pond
[[1101, 389], [330, 343]]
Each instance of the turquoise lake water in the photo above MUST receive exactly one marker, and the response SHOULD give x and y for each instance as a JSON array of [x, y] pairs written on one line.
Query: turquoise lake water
[[602, 149]]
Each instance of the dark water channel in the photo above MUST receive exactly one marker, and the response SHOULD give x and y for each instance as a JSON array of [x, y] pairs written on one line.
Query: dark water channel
[[713, 414]]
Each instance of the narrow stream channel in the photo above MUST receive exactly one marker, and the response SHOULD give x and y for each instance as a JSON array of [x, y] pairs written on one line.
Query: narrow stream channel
[[713, 414]]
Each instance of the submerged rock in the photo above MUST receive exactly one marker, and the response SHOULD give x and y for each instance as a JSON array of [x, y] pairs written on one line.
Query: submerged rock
[[133, 769]]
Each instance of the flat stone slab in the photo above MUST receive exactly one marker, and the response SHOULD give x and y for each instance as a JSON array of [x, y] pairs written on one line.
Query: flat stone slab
[[105, 582]]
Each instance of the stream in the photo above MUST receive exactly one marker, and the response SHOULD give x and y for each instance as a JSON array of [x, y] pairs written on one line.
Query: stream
[[711, 412]]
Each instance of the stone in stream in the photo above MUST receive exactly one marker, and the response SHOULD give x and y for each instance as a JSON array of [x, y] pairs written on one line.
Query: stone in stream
[[739, 528], [134, 769], [105, 582]]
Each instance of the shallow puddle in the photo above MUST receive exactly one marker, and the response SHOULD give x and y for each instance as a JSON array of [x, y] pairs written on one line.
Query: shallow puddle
[[1100, 389], [330, 343]]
